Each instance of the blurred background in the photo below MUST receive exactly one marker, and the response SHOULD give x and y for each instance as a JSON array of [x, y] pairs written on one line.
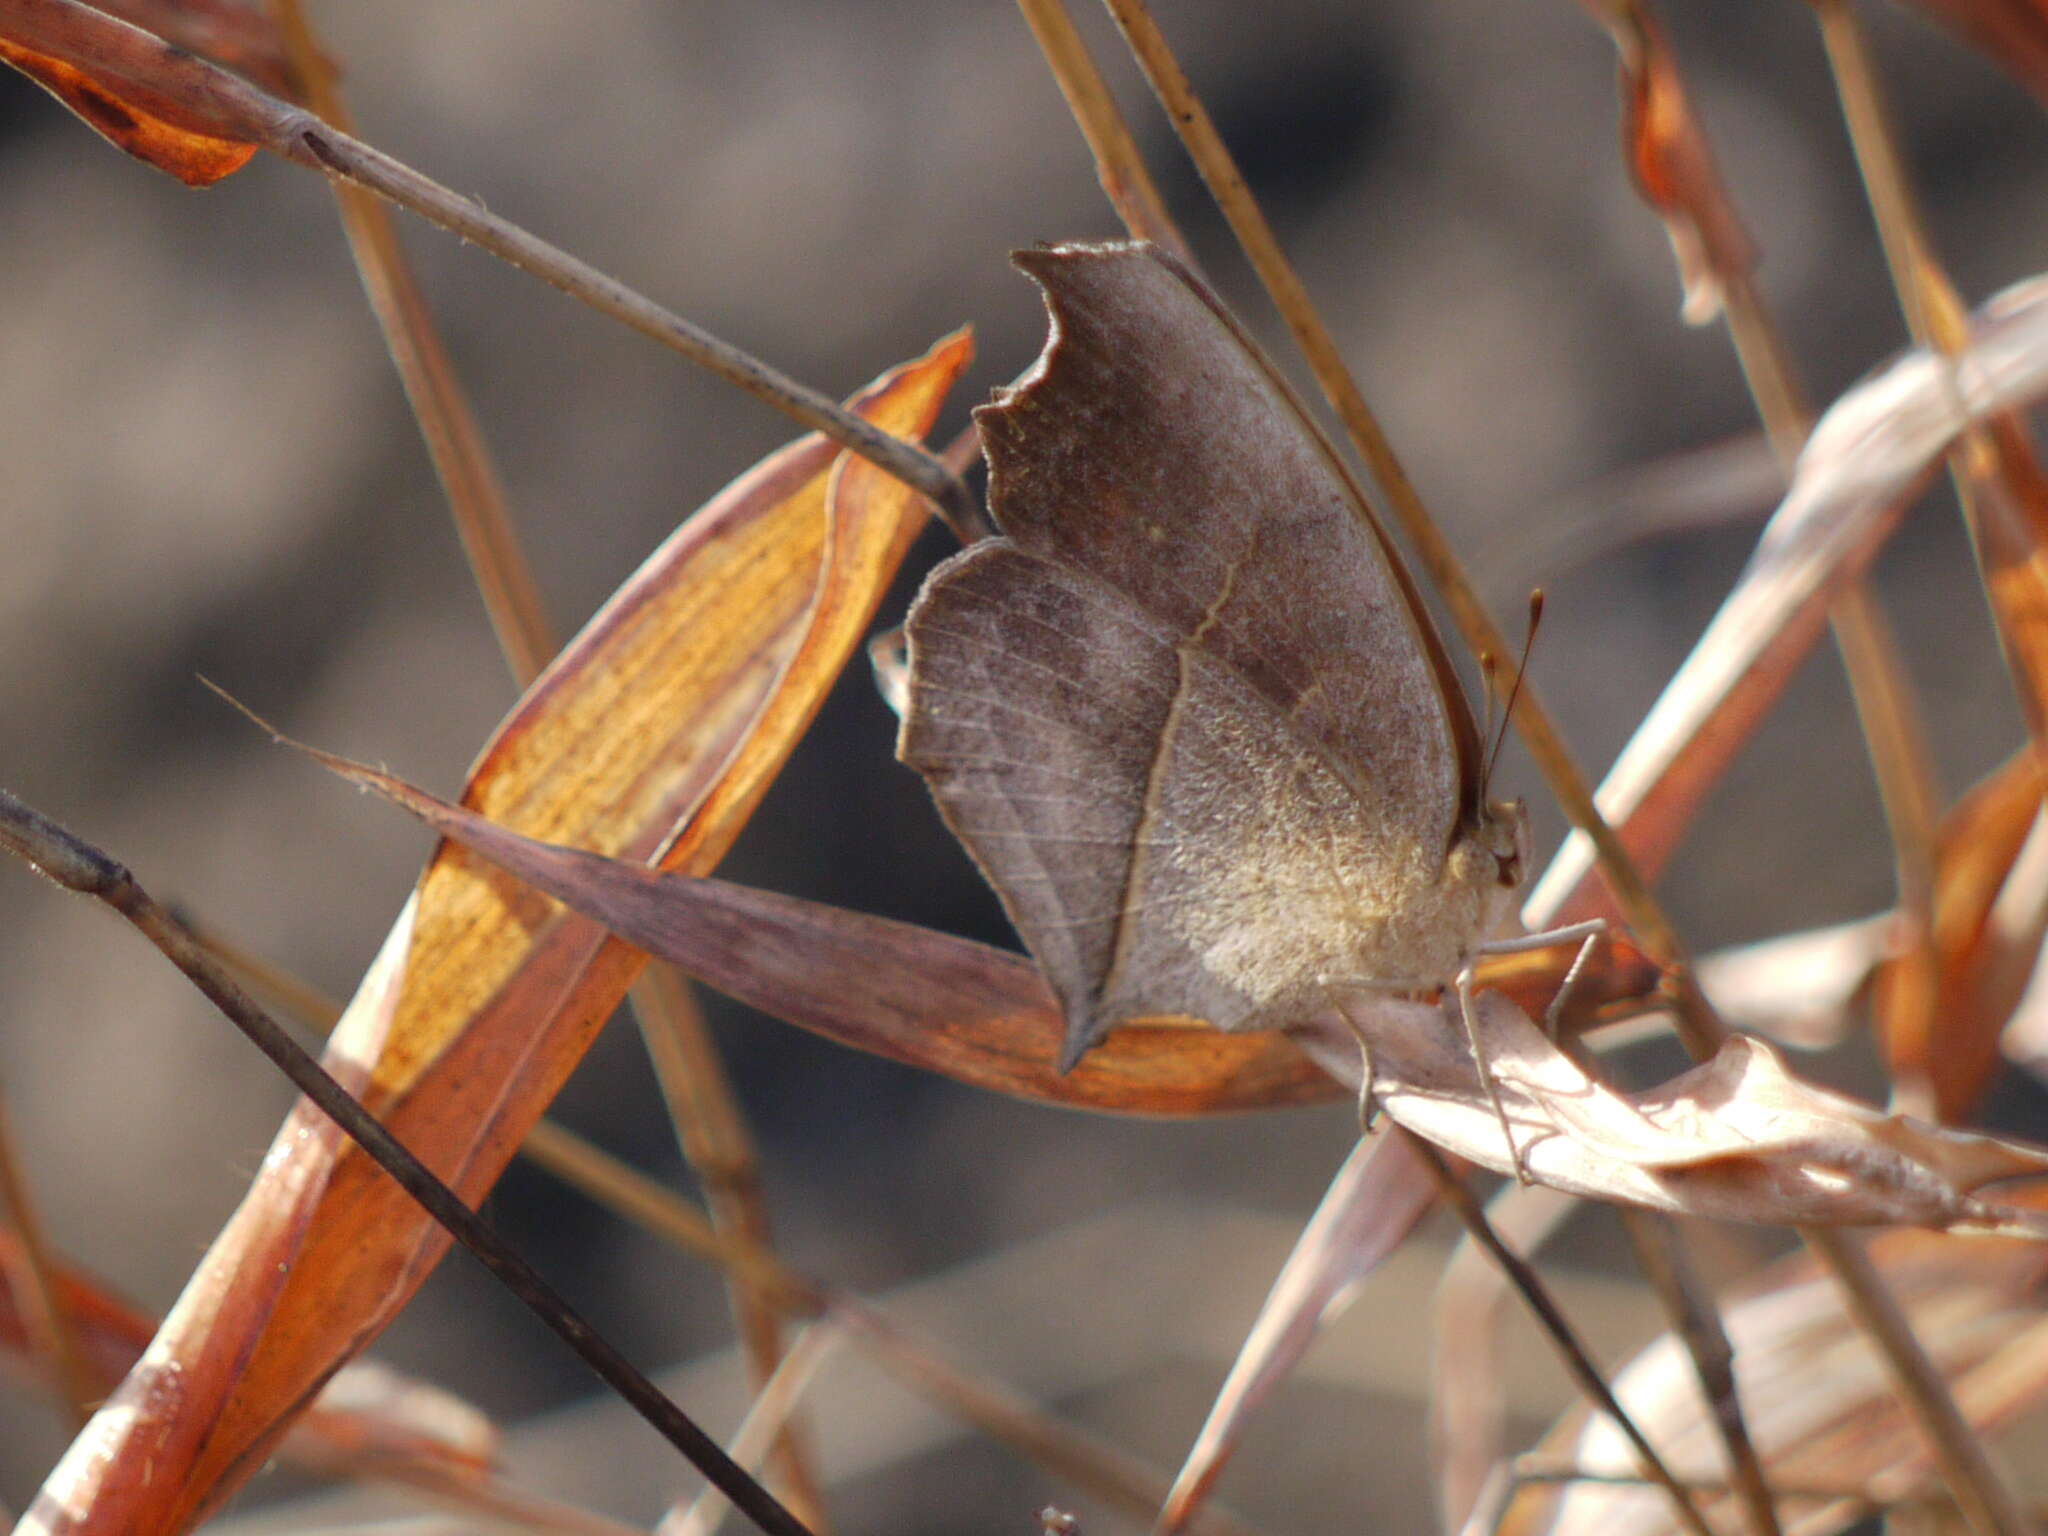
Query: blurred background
[[207, 467]]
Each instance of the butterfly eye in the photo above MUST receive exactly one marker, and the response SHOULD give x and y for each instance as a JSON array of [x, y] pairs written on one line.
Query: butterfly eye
[[1509, 869]]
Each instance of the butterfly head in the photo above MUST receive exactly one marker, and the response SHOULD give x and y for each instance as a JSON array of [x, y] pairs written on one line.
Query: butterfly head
[[1492, 857]]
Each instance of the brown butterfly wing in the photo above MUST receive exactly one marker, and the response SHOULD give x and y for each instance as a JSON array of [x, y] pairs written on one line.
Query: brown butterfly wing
[[1185, 713]]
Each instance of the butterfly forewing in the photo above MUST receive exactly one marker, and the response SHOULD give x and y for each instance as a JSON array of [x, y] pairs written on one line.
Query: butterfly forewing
[[1185, 713]]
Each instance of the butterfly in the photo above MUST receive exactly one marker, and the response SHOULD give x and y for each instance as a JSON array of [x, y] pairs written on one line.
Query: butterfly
[[1188, 712]]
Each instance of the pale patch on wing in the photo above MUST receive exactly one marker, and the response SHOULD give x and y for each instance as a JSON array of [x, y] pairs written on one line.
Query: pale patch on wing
[[1244, 886]]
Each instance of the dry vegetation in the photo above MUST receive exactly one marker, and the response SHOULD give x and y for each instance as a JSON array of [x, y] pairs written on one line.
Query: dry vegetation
[[210, 470]]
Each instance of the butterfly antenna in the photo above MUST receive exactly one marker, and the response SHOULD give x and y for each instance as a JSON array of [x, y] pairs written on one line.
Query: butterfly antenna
[[1507, 715]]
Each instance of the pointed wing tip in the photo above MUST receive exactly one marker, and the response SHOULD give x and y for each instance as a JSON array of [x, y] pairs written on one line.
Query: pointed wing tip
[[1083, 1035], [1043, 262]]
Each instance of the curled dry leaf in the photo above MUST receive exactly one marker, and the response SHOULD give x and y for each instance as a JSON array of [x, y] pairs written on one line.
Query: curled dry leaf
[[126, 84], [1672, 166], [1990, 914], [1869, 453], [486, 993], [1820, 1402], [1737, 1138]]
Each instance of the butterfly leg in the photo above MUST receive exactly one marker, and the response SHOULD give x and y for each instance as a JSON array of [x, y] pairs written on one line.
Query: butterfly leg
[[1468, 1010], [1368, 1106], [1589, 934], [1586, 935]]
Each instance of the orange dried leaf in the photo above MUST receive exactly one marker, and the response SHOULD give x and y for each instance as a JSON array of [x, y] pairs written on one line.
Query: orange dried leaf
[[979, 1015], [1986, 937], [367, 1412], [1672, 166], [118, 116], [156, 101], [1617, 973], [486, 993], [1372, 1205], [2008, 497]]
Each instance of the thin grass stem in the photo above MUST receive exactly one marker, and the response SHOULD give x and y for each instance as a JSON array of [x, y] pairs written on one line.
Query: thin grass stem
[[1119, 167], [455, 441]]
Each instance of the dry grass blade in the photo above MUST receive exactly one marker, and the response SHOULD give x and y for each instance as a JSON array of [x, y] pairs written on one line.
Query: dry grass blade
[[1734, 1138], [1672, 164], [368, 1421], [1997, 472], [1467, 1399], [719, 1149], [978, 1015], [1122, 1481], [1834, 1435], [1578, 1362], [1118, 165], [767, 1422], [230, 32], [2013, 32], [1368, 1210], [919, 1362], [455, 441], [1990, 913]]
